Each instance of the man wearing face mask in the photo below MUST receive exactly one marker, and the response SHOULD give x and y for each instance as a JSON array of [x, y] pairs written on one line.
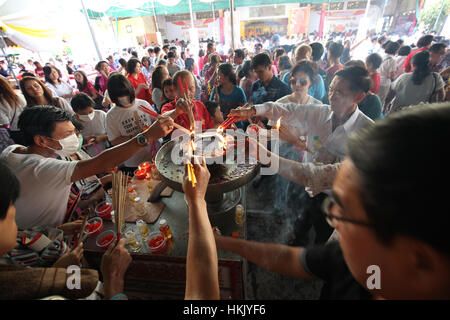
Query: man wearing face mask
[[45, 181], [93, 122]]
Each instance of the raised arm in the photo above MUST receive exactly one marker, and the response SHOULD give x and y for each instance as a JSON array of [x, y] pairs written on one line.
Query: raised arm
[[110, 158], [202, 278]]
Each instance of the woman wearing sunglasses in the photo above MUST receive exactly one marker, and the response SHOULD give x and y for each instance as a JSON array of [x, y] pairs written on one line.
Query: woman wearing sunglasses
[[302, 76]]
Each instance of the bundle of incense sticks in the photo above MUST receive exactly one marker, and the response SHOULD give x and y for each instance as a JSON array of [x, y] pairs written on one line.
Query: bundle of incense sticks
[[191, 174], [154, 114], [286, 131], [182, 85], [119, 194], [230, 120]]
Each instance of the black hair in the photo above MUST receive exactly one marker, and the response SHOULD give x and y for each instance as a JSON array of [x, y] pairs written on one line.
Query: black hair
[[308, 67], [317, 51], [279, 52], [81, 101], [28, 74], [421, 61], [167, 82], [150, 50], [99, 64], [284, 63], [246, 68], [157, 77], [404, 51], [336, 49], [385, 44], [157, 50], [228, 71], [201, 53], [119, 86], [171, 54], [436, 47], [173, 48], [48, 71], [134, 54], [189, 63], [131, 65], [210, 45], [40, 120], [146, 59], [166, 46], [239, 53], [392, 189], [375, 60], [9, 188], [392, 48], [425, 41], [357, 77], [400, 41], [261, 59], [211, 106]]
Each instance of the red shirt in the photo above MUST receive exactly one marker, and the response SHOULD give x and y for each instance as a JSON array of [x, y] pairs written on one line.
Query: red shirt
[[407, 65], [332, 70], [144, 94], [375, 82], [90, 90], [200, 114]]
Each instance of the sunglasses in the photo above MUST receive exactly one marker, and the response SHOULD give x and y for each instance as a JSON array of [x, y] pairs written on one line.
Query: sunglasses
[[299, 82]]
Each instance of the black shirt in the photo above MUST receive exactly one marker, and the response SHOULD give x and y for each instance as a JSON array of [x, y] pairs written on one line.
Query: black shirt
[[275, 90], [327, 263]]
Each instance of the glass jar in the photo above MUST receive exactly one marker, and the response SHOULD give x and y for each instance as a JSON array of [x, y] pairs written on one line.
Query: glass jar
[[139, 206], [239, 215], [132, 240], [143, 228], [165, 228]]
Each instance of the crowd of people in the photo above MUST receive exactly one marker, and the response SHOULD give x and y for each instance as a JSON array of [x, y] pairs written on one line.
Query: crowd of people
[[58, 135]]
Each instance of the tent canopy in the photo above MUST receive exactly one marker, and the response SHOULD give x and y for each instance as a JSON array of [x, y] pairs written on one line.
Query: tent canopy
[[122, 9]]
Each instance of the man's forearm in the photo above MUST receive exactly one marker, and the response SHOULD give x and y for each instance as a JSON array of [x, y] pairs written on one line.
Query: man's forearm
[[271, 256], [202, 281]]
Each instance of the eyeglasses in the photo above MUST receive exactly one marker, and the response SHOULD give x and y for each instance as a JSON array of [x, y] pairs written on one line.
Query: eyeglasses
[[327, 206], [299, 82]]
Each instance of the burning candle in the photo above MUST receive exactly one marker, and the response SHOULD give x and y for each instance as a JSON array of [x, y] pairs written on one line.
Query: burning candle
[[144, 166], [140, 174]]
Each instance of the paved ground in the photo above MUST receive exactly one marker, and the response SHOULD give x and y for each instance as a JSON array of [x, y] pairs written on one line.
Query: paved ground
[[266, 225]]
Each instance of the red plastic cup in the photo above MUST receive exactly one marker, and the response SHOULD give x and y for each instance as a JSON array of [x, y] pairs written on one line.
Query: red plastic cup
[[140, 174], [105, 239], [103, 210], [157, 243], [94, 226]]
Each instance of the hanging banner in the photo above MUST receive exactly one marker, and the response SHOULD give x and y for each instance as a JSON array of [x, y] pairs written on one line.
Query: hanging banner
[[180, 29], [298, 21]]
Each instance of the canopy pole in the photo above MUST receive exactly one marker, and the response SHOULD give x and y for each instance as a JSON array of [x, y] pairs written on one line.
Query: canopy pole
[[92, 31], [6, 57], [154, 16], [232, 23]]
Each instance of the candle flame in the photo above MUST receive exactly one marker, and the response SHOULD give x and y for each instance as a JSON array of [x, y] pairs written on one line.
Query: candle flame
[[278, 123]]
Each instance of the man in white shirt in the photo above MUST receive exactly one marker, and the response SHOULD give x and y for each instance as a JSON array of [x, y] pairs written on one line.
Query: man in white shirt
[[327, 127], [45, 181]]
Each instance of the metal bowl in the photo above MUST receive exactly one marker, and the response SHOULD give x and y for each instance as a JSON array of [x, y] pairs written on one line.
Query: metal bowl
[[224, 177]]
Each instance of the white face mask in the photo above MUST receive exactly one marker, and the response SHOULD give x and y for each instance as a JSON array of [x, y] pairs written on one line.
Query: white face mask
[[88, 117], [69, 146], [124, 101]]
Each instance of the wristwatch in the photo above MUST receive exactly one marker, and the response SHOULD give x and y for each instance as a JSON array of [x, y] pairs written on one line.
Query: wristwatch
[[142, 140]]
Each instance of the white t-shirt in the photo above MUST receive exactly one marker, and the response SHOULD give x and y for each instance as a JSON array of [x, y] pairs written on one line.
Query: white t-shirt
[[44, 187], [156, 97], [120, 122], [387, 67], [95, 127], [60, 89], [407, 93], [8, 114]]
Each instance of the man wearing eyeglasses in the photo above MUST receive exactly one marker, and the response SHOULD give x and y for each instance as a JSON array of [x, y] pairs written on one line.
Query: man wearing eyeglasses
[[392, 224], [327, 130]]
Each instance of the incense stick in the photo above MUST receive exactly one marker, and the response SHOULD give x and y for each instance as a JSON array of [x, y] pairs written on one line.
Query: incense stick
[[154, 114], [138, 122]]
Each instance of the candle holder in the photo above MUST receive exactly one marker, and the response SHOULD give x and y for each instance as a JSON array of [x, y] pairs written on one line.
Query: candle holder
[[103, 210], [105, 239], [94, 227], [145, 166], [157, 243], [140, 174]]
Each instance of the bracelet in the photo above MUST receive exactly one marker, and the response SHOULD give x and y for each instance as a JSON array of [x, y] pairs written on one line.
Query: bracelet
[[119, 296]]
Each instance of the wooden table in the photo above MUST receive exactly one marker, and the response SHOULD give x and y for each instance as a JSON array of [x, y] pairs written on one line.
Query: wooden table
[[163, 276]]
